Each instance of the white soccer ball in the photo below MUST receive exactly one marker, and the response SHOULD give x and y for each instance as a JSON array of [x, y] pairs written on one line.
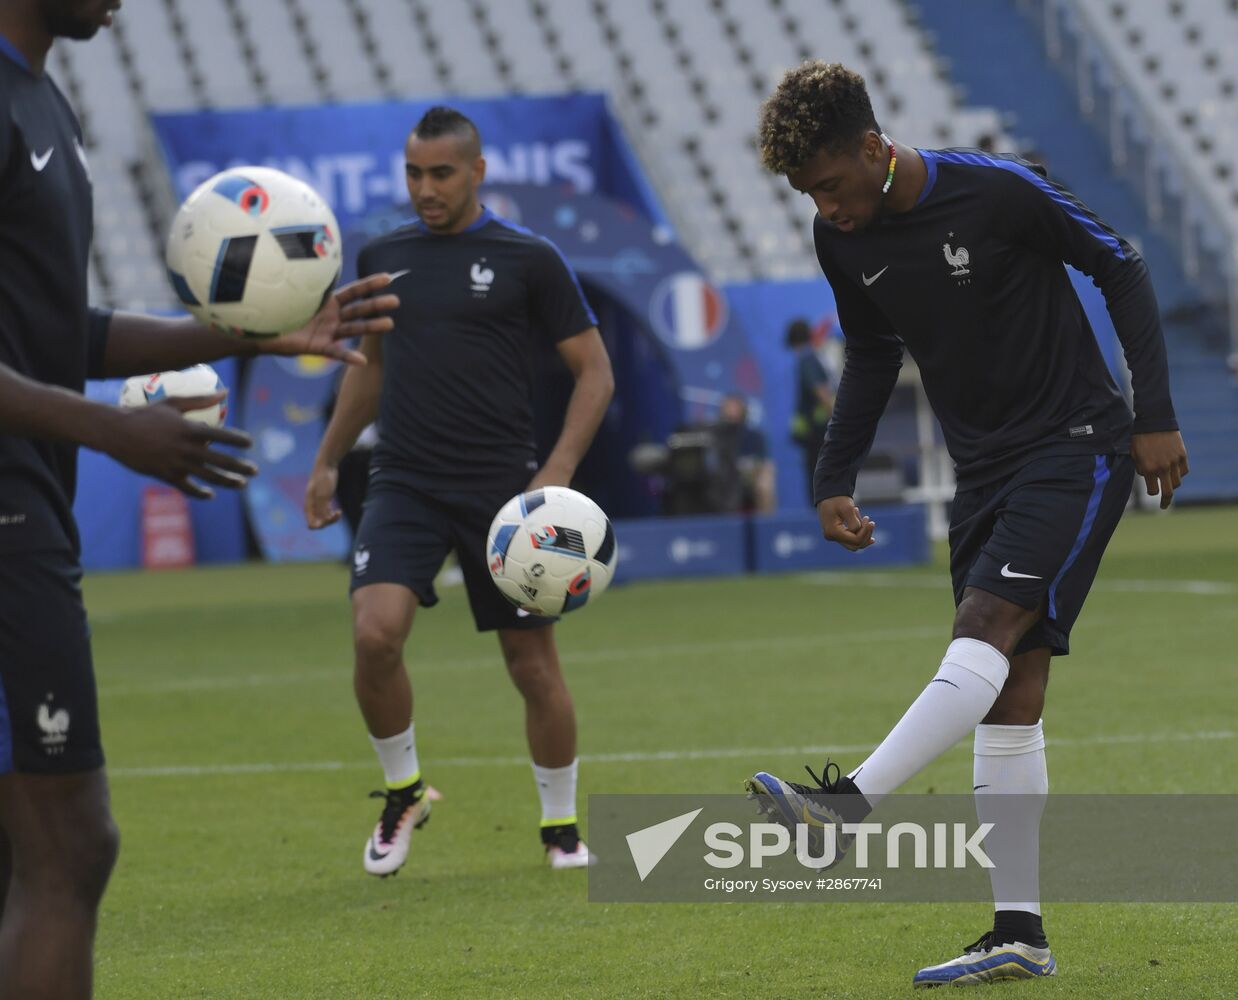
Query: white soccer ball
[[133, 392], [200, 380], [550, 550], [254, 252]]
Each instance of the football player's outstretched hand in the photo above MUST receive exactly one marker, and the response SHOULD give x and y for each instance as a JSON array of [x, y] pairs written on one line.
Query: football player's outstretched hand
[[157, 441], [352, 311]]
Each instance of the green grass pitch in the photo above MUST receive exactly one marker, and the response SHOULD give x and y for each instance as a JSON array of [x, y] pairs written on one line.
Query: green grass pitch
[[240, 770]]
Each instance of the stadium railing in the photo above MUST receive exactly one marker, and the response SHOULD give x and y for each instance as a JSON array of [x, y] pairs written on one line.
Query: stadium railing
[[1181, 194]]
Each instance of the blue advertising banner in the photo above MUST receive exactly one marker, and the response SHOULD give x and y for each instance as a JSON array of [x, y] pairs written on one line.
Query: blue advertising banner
[[782, 542], [660, 547]]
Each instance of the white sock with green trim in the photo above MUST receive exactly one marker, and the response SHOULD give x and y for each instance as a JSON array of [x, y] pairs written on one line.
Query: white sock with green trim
[[556, 787], [398, 755]]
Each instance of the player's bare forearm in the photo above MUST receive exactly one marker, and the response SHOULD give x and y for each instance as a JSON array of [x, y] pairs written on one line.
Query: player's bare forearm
[[356, 407], [589, 363], [153, 440], [29, 408], [585, 410], [138, 345]]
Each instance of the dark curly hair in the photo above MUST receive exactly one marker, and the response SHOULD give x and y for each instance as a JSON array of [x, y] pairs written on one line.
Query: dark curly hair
[[816, 106]]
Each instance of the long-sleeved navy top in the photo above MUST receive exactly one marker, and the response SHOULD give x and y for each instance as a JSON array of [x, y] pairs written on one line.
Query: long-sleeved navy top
[[971, 281]]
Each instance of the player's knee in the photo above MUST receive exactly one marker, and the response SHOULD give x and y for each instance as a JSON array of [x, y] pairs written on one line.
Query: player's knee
[[376, 643], [1022, 699], [99, 850], [533, 670], [991, 619], [1022, 706], [79, 867]]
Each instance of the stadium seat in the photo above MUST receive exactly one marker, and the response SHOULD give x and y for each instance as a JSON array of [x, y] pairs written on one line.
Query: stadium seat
[[399, 46], [288, 81]]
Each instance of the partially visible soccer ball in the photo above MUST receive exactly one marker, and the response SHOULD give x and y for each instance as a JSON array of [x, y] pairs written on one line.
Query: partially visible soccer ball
[[133, 392], [254, 252], [550, 550], [200, 380]]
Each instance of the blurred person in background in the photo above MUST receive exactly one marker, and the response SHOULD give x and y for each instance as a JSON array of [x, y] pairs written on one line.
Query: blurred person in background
[[746, 456], [814, 398]]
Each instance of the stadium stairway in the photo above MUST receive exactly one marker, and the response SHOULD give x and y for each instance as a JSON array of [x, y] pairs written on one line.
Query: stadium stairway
[[1025, 85]]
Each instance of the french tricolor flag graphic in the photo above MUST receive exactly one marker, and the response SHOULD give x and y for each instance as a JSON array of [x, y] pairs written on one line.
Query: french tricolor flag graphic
[[688, 312]]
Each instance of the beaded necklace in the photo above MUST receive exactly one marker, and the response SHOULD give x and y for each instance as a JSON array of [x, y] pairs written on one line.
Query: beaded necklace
[[885, 188]]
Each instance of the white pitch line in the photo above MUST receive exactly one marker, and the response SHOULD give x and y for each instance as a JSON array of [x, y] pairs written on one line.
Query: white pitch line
[[632, 757], [909, 581]]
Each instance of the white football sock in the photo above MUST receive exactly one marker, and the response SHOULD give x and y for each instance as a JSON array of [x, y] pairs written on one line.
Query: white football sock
[[398, 755], [556, 787], [1011, 782], [967, 683]]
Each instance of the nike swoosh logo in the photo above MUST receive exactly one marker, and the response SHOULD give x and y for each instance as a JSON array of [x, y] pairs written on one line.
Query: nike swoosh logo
[[1012, 575], [395, 275], [39, 162], [868, 280], [375, 855]]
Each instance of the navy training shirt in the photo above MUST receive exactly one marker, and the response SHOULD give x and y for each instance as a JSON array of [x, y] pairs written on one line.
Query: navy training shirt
[[456, 411], [971, 281], [47, 333]]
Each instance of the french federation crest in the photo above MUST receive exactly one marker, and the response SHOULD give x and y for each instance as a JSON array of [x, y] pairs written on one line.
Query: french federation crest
[[958, 259]]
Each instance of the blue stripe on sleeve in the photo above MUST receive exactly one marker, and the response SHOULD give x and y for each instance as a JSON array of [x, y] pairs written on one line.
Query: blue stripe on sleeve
[[1068, 204], [929, 156], [7, 48]]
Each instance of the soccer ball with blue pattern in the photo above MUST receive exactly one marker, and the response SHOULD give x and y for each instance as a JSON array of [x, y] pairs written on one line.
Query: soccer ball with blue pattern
[[551, 551], [254, 252], [199, 380]]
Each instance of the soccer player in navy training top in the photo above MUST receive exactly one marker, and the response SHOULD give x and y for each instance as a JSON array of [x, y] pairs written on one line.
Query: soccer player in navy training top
[[957, 256], [452, 389], [57, 838]]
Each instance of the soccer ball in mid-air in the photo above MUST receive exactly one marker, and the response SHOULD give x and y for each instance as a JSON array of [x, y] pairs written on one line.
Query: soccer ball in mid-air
[[550, 550], [200, 380], [254, 252]]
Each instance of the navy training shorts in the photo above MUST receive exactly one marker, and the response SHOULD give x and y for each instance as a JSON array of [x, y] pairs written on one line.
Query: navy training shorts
[[49, 711], [1036, 537]]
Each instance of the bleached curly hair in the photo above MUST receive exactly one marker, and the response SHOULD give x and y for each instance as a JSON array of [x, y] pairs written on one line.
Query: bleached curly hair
[[816, 106]]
